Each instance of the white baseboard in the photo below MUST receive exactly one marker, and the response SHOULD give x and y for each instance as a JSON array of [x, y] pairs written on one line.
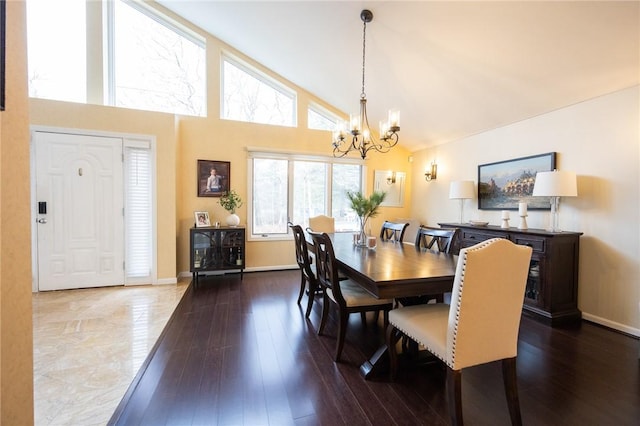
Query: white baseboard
[[163, 281], [611, 324], [187, 274]]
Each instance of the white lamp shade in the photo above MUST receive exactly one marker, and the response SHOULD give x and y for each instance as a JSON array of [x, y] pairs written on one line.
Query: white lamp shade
[[555, 184], [461, 189]]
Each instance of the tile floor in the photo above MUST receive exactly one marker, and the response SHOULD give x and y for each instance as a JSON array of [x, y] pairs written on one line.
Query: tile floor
[[88, 345]]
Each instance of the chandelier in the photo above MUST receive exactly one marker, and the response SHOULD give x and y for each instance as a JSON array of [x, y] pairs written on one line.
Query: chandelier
[[362, 139]]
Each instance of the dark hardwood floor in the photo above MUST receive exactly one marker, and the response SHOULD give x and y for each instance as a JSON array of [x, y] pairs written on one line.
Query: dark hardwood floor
[[242, 353]]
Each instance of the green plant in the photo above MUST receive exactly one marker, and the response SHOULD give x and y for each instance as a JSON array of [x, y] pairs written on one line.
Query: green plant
[[230, 201], [365, 207]]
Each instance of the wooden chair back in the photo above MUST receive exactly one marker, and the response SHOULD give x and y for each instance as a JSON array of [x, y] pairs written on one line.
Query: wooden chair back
[[326, 265], [444, 238], [392, 231]]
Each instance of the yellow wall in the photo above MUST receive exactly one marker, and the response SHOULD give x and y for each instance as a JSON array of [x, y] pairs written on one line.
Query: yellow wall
[[181, 141], [16, 347]]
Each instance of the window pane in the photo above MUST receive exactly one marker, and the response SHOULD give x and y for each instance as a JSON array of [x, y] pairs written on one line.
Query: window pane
[[247, 98], [346, 177], [56, 34], [309, 191], [270, 185], [156, 68], [319, 121]]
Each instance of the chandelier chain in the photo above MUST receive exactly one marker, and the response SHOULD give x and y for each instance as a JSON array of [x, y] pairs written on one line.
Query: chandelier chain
[[363, 95]]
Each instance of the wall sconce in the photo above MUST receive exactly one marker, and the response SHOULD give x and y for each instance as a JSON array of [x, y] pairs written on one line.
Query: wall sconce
[[391, 178], [431, 174]]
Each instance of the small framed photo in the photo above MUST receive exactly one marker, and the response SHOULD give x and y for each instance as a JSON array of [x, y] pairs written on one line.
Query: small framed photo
[[202, 219], [213, 178]]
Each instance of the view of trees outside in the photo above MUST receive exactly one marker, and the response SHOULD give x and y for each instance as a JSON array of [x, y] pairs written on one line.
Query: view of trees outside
[[310, 186], [318, 121], [346, 177], [156, 68], [57, 52], [309, 191], [270, 196], [248, 98]]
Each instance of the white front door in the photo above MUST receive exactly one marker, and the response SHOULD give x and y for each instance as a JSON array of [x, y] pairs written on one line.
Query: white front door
[[79, 203]]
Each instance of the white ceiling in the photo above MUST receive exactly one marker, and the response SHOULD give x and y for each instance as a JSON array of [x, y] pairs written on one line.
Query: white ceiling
[[452, 68]]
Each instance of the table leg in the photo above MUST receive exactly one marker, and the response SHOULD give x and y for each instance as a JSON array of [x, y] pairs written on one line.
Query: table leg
[[373, 365]]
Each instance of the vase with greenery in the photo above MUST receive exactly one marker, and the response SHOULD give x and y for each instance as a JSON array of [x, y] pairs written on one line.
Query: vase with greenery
[[230, 201], [365, 207]]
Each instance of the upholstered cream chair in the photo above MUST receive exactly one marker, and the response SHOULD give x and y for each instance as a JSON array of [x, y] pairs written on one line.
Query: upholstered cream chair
[[481, 324], [346, 295], [322, 223]]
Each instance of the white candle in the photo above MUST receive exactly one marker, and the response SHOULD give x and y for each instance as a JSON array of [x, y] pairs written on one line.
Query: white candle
[[505, 214], [522, 209]]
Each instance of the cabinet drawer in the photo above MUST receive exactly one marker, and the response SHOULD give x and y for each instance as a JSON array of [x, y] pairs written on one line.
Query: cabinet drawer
[[474, 237], [536, 244]]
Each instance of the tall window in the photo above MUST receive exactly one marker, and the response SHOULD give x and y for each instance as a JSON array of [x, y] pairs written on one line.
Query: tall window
[[57, 51], [292, 188], [248, 95], [151, 62], [157, 66]]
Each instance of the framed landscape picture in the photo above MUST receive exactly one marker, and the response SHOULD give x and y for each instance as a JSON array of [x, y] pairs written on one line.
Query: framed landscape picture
[[213, 178], [504, 184]]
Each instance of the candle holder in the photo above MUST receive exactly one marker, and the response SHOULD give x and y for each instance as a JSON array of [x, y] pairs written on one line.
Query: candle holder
[[522, 212], [523, 222], [505, 219]]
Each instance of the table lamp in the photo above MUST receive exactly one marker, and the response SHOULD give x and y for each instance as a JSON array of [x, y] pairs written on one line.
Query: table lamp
[[461, 190], [555, 184]]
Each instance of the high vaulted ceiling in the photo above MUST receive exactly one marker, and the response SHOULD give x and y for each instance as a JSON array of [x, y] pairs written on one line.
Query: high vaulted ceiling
[[452, 68]]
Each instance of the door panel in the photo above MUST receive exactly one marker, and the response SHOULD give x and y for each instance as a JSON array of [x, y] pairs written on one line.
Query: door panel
[[80, 238]]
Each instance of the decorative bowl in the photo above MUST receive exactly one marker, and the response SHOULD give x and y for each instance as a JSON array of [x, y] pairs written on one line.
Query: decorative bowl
[[478, 223]]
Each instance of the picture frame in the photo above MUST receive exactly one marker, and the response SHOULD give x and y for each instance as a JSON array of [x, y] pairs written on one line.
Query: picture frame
[[504, 184], [202, 219], [207, 184]]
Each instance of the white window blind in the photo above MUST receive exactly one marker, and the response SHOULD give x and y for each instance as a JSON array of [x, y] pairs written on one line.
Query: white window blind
[[138, 213]]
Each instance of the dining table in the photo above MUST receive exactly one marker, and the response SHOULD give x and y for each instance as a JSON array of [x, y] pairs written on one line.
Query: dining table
[[393, 270]]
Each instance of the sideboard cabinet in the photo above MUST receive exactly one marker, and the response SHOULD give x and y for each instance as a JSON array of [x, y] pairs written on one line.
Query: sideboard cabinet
[[216, 249], [551, 294]]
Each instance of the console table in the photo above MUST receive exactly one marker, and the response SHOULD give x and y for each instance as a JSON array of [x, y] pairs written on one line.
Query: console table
[[551, 294], [216, 249]]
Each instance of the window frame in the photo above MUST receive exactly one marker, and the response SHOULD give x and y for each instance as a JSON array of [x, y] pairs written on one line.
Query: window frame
[[329, 161]]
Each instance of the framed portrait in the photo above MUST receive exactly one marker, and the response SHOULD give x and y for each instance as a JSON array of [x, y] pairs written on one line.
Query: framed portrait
[[202, 219], [502, 185], [213, 178]]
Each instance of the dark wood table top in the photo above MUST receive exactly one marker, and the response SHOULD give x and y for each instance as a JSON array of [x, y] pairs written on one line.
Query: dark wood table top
[[394, 270]]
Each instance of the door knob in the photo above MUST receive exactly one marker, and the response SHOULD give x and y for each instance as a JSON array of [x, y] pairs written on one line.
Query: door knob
[[42, 220]]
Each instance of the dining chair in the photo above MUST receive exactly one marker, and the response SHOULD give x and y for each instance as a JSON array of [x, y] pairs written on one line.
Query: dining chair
[[307, 273], [346, 295], [426, 238], [443, 238], [322, 223], [479, 326], [393, 231]]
